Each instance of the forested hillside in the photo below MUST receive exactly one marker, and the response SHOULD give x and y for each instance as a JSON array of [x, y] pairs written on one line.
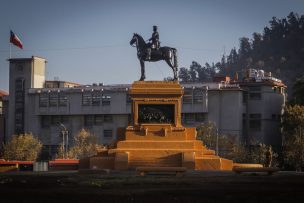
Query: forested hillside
[[278, 49]]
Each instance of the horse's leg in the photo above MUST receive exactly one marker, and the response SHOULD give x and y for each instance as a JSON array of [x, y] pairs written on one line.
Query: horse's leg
[[173, 68], [175, 73], [143, 74]]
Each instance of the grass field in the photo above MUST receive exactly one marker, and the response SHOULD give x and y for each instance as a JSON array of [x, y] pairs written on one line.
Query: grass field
[[195, 186]]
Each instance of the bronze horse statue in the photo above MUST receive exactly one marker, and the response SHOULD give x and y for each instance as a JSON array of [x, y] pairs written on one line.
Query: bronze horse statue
[[163, 53]]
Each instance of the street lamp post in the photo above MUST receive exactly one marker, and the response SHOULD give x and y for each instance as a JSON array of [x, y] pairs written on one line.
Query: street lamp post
[[65, 140], [217, 141], [63, 144]]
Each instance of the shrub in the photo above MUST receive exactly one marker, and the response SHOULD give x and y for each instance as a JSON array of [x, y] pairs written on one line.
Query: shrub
[[24, 147]]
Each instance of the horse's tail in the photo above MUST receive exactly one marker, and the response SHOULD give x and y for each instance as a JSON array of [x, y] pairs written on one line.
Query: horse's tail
[[175, 57]]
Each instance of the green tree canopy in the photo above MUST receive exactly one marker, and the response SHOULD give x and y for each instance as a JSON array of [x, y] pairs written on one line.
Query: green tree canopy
[[198, 73]]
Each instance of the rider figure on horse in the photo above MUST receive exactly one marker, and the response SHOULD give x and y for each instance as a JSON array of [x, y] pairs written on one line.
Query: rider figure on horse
[[155, 44]]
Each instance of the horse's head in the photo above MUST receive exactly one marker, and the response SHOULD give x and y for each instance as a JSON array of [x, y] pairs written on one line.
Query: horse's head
[[133, 40], [137, 40]]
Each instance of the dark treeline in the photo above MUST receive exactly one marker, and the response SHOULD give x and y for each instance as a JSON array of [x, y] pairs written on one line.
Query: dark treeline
[[279, 49]]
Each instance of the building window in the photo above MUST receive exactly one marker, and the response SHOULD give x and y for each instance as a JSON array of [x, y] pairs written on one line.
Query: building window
[[106, 100], [86, 98], [199, 117], [96, 99], [88, 120], [63, 99], [45, 121], [188, 118], [107, 133], [19, 119], [255, 122], [19, 96], [255, 125], [19, 106], [198, 96], [43, 100], [255, 96], [98, 119], [108, 118], [187, 97], [19, 84], [53, 99], [56, 120]]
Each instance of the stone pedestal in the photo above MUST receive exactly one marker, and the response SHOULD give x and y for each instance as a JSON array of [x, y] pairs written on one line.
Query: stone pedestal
[[157, 137]]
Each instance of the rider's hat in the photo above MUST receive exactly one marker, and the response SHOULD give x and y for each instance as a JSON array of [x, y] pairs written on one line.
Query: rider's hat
[[154, 27]]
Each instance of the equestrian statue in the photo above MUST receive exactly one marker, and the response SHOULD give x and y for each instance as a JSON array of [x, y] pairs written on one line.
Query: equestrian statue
[[153, 52]]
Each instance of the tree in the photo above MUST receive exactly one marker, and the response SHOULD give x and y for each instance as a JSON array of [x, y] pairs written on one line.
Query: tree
[[198, 73], [85, 145], [184, 75], [293, 145], [298, 91], [245, 47], [24, 147], [193, 71], [292, 119], [207, 133], [230, 148], [294, 149]]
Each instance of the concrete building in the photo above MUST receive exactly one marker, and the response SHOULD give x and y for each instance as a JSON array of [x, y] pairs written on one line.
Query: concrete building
[[3, 116], [264, 101], [46, 107]]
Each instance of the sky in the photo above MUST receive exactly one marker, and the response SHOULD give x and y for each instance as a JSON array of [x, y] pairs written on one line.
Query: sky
[[87, 41]]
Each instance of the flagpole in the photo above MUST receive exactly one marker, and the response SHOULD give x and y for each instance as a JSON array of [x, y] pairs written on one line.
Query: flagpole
[[10, 44], [10, 50]]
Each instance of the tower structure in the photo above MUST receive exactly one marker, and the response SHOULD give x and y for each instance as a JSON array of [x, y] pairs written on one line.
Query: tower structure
[[24, 73]]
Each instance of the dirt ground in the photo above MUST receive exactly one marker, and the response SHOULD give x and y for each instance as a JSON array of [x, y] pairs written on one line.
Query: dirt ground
[[194, 186]]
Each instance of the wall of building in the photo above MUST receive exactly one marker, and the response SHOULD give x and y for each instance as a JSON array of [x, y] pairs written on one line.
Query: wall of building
[[3, 117], [265, 108], [225, 109]]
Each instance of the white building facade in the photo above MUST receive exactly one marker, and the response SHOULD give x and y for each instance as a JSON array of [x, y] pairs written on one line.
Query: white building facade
[[245, 109]]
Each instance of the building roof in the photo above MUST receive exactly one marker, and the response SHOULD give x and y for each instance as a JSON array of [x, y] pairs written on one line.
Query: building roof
[[3, 93], [24, 59], [263, 82], [63, 81]]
